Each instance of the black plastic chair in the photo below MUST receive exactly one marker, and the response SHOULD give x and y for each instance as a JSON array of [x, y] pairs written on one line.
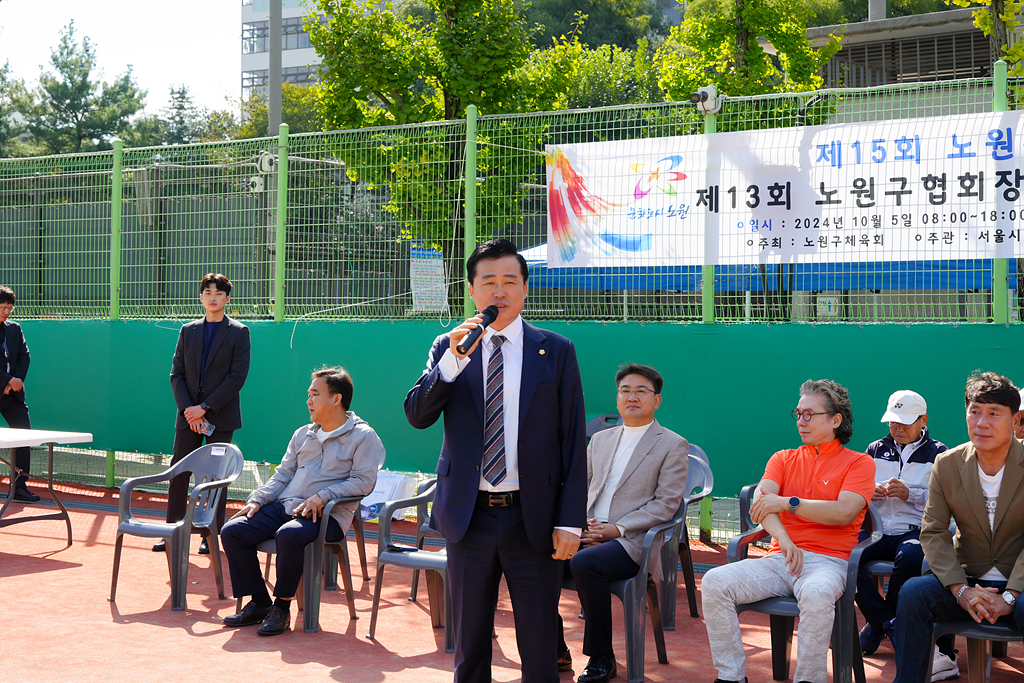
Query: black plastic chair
[[847, 662], [700, 482], [979, 659], [315, 565], [214, 467]]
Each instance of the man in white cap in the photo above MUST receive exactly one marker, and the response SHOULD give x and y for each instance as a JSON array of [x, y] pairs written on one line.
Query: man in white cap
[[903, 466]]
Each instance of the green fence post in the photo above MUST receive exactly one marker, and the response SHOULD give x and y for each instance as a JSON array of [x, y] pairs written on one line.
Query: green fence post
[[116, 195], [110, 469], [282, 221], [1000, 266], [707, 290], [469, 308]]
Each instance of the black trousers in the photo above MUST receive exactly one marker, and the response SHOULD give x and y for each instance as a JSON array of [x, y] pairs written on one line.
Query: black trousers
[[186, 441], [494, 545], [593, 568], [241, 535], [15, 412]]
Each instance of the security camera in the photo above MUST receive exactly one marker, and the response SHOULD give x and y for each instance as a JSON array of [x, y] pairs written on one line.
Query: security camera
[[255, 184], [266, 162], [706, 100]]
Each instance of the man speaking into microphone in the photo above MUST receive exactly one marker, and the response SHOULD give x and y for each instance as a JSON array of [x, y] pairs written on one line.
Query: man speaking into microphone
[[511, 491]]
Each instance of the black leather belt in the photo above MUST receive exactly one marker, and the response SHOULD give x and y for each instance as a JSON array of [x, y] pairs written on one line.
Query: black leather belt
[[505, 499]]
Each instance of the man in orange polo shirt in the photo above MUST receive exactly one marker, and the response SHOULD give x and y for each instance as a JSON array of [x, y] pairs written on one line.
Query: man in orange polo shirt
[[812, 500]]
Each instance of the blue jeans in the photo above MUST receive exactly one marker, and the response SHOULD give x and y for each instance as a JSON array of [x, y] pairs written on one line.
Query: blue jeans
[[924, 601]]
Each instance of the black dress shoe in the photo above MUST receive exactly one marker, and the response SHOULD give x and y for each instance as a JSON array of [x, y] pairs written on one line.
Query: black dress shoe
[[204, 548], [251, 614], [159, 547], [565, 660], [23, 495], [599, 670], [276, 622]]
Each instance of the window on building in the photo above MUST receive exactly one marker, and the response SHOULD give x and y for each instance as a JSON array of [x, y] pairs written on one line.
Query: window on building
[[258, 80], [255, 37]]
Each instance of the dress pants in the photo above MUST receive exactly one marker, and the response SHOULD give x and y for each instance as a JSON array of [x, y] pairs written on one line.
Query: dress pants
[[905, 552], [186, 441], [495, 543], [241, 535], [926, 601], [15, 411], [816, 590], [593, 569]]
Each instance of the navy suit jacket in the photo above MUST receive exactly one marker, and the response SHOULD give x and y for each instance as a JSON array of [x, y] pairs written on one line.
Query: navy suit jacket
[[227, 366], [552, 437], [18, 352]]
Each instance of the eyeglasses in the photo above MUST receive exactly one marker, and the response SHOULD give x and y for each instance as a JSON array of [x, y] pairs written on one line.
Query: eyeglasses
[[806, 415], [639, 392]]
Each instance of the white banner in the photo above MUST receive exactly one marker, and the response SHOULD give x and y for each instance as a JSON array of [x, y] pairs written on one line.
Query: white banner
[[902, 190]]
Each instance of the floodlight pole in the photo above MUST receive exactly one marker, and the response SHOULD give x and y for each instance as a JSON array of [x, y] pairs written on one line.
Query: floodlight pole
[[274, 86], [469, 242], [1000, 266]]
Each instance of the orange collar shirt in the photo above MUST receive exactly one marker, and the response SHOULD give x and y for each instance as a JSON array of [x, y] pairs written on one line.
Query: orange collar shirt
[[821, 473]]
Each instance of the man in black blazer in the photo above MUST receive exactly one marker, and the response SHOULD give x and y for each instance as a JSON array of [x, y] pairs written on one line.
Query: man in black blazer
[[13, 368], [511, 491], [210, 365]]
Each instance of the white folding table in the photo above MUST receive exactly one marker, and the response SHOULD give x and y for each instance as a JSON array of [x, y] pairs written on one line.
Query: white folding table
[[16, 438]]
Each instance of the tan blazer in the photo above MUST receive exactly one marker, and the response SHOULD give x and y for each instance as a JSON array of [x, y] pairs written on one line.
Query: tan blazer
[[955, 491], [650, 489]]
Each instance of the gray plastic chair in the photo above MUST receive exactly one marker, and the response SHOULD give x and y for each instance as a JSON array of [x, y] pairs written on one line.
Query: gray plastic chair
[[603, 422], [422, 531], [979, 662], [847, 661], [214, 467], [411, 558], [315, 564], [640, 593], [700, 482]]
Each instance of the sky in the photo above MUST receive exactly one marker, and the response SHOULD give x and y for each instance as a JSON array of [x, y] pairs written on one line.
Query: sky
[[168, 42]]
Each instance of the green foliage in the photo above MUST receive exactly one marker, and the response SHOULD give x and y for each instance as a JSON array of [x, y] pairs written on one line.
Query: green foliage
[[300, 109], [70, 110], [181, 117], [9, 129], [708, 49], [608, 76], [620, 23]]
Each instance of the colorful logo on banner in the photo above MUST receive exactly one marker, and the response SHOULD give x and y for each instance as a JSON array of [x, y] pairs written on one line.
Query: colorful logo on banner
[[574, 210]]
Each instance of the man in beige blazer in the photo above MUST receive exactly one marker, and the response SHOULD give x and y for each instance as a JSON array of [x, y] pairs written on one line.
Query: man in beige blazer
[[636, 478], [980, 572]]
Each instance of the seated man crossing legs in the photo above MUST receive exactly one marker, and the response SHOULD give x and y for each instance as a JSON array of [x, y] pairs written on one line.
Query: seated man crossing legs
[[812, 500], [335, 456]]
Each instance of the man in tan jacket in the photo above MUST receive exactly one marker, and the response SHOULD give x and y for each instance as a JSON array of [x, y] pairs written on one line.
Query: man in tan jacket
[[979, 573], [636, 478]]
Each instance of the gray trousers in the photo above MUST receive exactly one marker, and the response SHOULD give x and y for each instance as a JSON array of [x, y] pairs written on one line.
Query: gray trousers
[[816, 590]]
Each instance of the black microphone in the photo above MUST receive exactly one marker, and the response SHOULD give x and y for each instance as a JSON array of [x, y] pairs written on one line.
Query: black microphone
[[489, 315]]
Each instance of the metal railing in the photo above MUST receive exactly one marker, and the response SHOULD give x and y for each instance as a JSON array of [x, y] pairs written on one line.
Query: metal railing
[[376, 223]]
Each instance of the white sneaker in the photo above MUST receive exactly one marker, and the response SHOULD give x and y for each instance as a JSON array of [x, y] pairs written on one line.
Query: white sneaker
[[944, 668]]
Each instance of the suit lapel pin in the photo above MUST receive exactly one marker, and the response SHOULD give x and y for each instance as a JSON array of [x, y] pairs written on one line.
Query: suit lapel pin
[[542, 352]]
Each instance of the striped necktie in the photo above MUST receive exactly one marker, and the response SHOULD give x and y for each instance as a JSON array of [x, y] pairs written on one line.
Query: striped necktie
[[494, 415]]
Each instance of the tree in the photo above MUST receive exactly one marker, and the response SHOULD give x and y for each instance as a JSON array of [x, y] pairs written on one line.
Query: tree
[[70, 110], [718, 46], [607, 76], [181, 117], [9, 128], [621, 23], [300, 109]]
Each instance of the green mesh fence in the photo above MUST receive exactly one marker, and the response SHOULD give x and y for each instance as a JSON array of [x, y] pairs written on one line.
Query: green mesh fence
[[373, 224]]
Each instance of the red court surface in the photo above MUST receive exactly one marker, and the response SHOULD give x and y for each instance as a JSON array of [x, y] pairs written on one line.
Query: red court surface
[[58, 625]]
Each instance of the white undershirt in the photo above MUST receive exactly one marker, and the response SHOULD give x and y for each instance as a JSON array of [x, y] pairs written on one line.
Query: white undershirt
[[990, 487], [627, 444], [322, 435]]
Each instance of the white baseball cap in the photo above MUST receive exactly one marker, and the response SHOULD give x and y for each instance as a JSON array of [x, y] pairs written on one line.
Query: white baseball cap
[[1021, 401], [905, 407]]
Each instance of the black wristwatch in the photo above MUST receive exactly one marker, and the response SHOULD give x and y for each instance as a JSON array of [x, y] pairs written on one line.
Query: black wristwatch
[[204, 406], [794, 503]]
